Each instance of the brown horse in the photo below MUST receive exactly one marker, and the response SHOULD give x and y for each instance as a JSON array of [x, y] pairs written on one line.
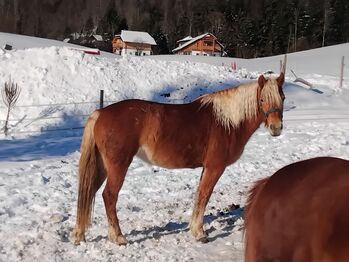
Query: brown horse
[[210, 132], [300, 213]]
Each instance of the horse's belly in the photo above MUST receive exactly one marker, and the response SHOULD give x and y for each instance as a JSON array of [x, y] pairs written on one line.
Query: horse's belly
[[167, 159], [145, 154]]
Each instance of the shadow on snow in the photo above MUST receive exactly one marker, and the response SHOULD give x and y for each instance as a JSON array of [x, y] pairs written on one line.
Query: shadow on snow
[[171, 228], [56, 140]]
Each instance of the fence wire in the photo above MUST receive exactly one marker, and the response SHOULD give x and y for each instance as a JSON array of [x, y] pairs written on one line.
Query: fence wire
[[49, 116]]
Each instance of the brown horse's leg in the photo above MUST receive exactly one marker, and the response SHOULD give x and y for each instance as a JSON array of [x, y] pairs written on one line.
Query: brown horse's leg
[[208, 180], [116, 177]]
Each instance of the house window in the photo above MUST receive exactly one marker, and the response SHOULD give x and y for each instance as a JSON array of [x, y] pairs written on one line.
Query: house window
[[208, 43], [187, 53]]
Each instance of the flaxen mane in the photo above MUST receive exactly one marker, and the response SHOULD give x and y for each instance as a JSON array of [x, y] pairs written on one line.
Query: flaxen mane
[[234, 105]]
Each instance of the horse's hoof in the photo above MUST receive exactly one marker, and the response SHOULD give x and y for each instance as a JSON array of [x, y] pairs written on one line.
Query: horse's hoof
[[203, 240], [76, 242], [121, 241], [78, 237]]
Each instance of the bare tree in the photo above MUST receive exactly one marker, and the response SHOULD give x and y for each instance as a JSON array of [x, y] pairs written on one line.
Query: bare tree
[[10, 94], [296, 14], [324, 28], [327, 17]]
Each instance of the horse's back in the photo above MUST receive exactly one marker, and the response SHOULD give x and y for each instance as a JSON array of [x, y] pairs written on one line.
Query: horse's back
[[300, 213]]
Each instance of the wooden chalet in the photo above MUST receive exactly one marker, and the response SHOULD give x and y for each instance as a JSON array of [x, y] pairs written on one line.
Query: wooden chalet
[[133, 43], [205, 44]]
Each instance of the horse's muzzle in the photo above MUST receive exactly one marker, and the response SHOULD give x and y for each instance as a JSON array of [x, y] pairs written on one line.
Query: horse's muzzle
[[275, 129]]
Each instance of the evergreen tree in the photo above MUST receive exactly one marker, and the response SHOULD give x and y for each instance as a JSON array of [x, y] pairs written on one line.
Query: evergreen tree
[[246, 28], [122, 26], [89, 26], [162, 45], [39, 29], [109, 24]]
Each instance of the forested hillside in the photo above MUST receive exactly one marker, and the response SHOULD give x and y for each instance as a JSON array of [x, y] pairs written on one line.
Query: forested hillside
[[247, 28]]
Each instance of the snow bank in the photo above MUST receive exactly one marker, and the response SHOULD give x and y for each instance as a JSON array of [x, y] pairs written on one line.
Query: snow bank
[[56, 82]]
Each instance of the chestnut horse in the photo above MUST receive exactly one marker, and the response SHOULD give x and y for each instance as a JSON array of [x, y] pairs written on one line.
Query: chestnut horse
[[300, 213], [210, 132]]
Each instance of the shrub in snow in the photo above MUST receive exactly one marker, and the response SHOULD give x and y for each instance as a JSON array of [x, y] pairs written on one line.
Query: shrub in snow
[[10, 94]]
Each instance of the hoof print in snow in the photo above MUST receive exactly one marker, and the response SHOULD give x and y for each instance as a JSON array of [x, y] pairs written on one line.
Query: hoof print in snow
[[234, 207], [45, 180], [166, 95]]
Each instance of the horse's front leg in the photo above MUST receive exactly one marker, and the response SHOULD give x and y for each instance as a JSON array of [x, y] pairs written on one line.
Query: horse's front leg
[[208, 180]]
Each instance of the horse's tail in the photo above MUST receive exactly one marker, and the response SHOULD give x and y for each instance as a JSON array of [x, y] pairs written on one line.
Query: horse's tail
[[89, 177], [252, 197]]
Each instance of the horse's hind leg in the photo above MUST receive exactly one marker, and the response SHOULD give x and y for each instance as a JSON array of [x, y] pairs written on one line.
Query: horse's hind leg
[[116, 176], [208, 180]]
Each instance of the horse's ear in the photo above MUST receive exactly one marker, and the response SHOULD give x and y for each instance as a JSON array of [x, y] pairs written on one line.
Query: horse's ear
[[261, 81], [281, 79]]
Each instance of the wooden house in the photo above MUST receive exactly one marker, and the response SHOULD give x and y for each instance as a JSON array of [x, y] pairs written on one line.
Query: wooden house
[[205, 44], [133, 43]]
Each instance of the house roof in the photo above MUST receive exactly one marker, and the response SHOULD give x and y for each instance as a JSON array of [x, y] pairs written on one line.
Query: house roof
[[98, 37], [193, 40], [137, 37], [188, 38]]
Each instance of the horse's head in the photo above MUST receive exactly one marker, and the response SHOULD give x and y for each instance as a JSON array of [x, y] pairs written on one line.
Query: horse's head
[[271, 99]]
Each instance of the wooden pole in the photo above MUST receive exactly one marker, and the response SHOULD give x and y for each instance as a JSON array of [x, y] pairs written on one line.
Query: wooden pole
[[101, 99], [283, 68], [341, 74], [281, 65]]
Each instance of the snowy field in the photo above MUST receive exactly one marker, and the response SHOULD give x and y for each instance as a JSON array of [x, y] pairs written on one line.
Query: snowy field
[[60, 86]]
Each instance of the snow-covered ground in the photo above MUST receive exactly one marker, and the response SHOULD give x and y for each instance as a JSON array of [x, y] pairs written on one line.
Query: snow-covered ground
[[60, 86]]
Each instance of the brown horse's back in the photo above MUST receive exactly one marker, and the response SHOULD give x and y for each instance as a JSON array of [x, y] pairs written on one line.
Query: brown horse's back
[[301, 213]]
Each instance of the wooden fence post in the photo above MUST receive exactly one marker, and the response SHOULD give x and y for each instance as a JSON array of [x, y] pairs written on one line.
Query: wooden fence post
[[101, 99], [284, 65], [280, 65], [341, 73]]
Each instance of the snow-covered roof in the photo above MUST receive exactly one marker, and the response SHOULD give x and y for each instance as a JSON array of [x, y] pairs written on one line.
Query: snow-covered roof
[[98, 37], [76, 35], [137, 37], [193, 40], [188, 38]]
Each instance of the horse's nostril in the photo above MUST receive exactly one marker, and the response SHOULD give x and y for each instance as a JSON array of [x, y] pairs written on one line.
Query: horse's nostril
[[275, 127]]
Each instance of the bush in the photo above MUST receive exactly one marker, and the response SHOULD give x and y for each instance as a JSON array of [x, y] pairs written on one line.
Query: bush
[[10, 94]]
